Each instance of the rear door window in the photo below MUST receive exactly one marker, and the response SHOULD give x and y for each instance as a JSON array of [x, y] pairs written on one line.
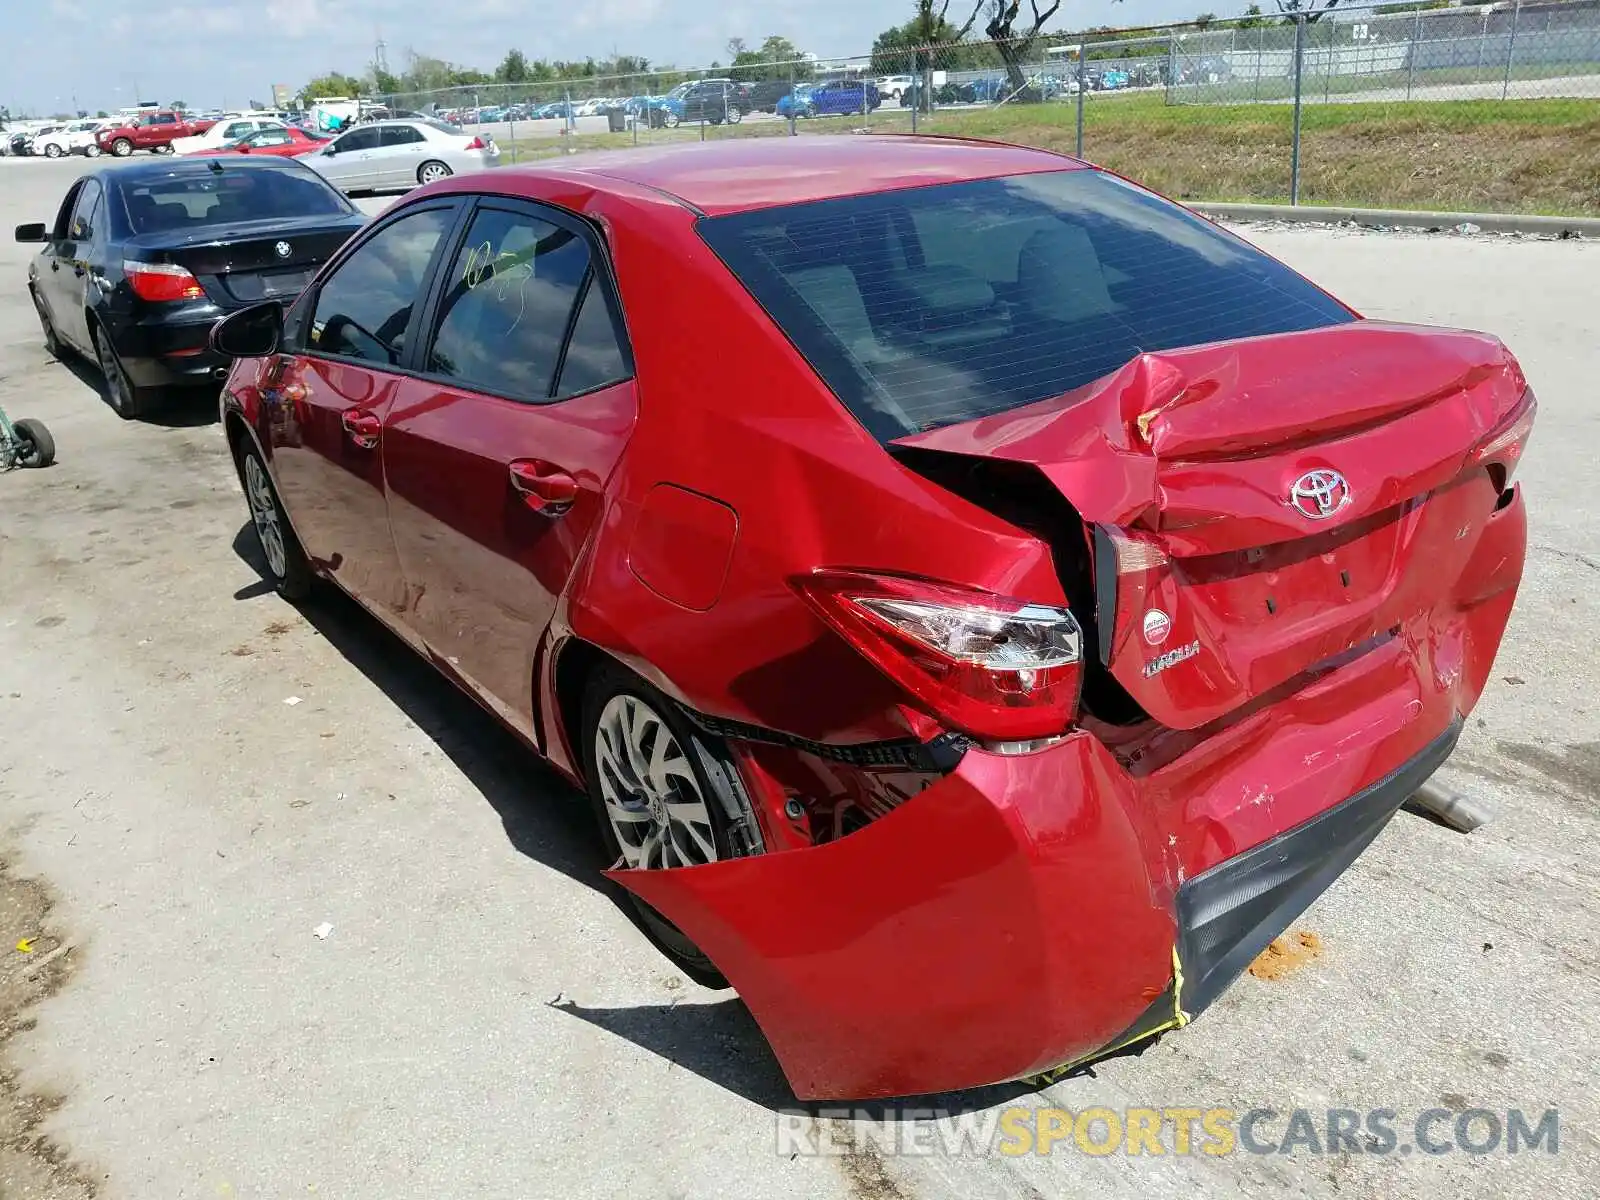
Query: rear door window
[[400, 135], [930, 306]]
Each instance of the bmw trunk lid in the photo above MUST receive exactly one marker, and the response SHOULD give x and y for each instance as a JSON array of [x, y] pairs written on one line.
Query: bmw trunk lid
[[1257, 508], [252, 260]]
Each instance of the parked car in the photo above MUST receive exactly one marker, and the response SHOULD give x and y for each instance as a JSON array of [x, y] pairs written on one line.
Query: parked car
[[895, 86], [391, 154], [140, 261], [1113, 78], [153, 131], [836, 97], [77, 138], [282, 143], [999, 752], [765, 94], [224, 132], [713, 101], [22, 140], [654, 110]]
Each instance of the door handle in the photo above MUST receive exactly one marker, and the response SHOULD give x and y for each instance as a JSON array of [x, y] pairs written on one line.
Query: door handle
[[544, 487], [362, 427], [77, 269]]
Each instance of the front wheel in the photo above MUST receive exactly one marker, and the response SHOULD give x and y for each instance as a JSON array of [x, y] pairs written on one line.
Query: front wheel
[[122, 147], [36, 447], [671, 119], [665, 795], [167, 149], [52, 342], [432, 172], [288, 570], [735, 115], [91, 151]]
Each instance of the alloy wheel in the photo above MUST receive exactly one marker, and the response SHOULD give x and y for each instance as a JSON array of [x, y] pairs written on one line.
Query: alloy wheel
[[118, 390], [264, 513], [650, 792], [432, 172]]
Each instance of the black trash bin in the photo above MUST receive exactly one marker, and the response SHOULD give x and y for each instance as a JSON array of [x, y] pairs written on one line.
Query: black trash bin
[[617, 119]]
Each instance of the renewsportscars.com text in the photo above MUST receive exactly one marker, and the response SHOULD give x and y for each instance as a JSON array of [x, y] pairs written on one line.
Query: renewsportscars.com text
[[1216, 1132]]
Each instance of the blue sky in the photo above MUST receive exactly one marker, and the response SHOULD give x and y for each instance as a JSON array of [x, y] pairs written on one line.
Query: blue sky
[[215, 52]]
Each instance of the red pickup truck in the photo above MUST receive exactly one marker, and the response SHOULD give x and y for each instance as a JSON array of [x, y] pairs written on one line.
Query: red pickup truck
[[153, 131]]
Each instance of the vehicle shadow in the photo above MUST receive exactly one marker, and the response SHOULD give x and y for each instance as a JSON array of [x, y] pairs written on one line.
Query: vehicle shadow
[[551, 823], [178, 408]]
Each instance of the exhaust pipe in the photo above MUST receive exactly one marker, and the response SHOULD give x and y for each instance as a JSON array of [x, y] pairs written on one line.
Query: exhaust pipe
[[219, 373], [1452, 809]]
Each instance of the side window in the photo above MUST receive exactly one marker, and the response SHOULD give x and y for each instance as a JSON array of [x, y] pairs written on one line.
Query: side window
[[400, 135], [507, 301], [271, 137], [357, 139], [63, 224], [165, 119], [363, 309], [594, 357], [82, 227], [236, 129]]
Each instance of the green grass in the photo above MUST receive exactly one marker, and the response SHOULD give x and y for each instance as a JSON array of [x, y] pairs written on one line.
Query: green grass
[[1527, 156]]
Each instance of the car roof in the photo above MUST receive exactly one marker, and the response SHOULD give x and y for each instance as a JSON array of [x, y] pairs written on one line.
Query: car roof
[[736, 175]]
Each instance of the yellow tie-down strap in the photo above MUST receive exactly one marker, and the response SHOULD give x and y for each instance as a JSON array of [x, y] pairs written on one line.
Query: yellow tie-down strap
[[1177, 1020]]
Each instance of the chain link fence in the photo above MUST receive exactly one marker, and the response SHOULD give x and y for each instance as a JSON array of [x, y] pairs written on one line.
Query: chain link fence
[[1488, 108]]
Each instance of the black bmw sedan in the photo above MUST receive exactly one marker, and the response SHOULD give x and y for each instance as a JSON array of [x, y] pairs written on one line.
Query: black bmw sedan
[[142, 259]]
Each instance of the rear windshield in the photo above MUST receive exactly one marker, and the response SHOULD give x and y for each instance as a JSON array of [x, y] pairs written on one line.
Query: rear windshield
[[192, 201], [935, 305]]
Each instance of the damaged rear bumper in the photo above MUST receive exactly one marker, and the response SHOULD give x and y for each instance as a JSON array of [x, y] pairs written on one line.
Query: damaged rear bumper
[[1028, 913]]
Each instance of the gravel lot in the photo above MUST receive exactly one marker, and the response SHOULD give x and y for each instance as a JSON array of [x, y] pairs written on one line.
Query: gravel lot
[[484, 1021]]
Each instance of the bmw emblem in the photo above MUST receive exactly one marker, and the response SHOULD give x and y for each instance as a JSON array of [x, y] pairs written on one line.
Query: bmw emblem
[[283, 249]]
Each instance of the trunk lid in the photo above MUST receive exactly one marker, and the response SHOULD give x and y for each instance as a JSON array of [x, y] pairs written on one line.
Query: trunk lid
[[1261, 506], [245, 262]]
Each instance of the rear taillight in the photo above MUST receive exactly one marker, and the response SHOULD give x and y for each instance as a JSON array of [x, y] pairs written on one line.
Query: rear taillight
[[1503, 447], [992, 666], [162, 281]]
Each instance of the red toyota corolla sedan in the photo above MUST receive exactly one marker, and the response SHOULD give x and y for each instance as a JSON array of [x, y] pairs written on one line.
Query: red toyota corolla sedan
[[985, 601], [283, 143]]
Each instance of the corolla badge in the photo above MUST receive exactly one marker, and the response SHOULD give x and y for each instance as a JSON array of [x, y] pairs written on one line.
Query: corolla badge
[[283, 249], [1317, 495]]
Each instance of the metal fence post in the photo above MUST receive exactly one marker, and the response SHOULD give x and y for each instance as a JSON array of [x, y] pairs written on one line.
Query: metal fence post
[[1261, 46], [1327, 75], [1080, 101], [1511, 51], [1411, 58], [792, 130], [916, 88], [1299, 72]]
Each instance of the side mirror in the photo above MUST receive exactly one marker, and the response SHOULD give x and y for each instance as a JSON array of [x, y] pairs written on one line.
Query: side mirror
[[35, 232], [249, 333]]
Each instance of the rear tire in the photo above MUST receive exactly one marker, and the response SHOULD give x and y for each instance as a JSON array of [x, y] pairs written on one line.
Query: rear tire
[[38, 448], [288, 569], [91, 151], [432, 171], [735, 115], [122, 147], [52, 151], [678, 816], [127, 401]]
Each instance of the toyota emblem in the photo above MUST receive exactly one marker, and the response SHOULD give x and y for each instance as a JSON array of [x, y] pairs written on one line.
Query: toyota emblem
[[283, 249], [1317, 495]]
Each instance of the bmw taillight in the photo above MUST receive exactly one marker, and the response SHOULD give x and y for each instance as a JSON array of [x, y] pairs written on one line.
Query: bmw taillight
[[162, 281], [993, 666]]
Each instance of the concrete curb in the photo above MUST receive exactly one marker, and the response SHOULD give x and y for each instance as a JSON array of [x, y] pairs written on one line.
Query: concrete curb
[[1588, 227]]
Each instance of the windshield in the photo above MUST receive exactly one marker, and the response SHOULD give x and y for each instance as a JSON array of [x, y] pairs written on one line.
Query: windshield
[[935, 305], [190, 202]]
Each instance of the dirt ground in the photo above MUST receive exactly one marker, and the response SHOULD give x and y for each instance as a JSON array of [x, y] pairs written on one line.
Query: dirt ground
[[483, 1020]]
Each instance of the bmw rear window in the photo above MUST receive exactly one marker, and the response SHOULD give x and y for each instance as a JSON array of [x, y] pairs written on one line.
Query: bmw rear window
[[192, 201], [935, 305]]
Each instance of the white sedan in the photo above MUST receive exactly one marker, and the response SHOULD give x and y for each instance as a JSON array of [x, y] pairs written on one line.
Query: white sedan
[[77, 138], [397, 154], [223, 133]]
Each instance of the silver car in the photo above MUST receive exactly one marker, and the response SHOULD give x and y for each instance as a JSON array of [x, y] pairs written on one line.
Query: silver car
[[399, 154]]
